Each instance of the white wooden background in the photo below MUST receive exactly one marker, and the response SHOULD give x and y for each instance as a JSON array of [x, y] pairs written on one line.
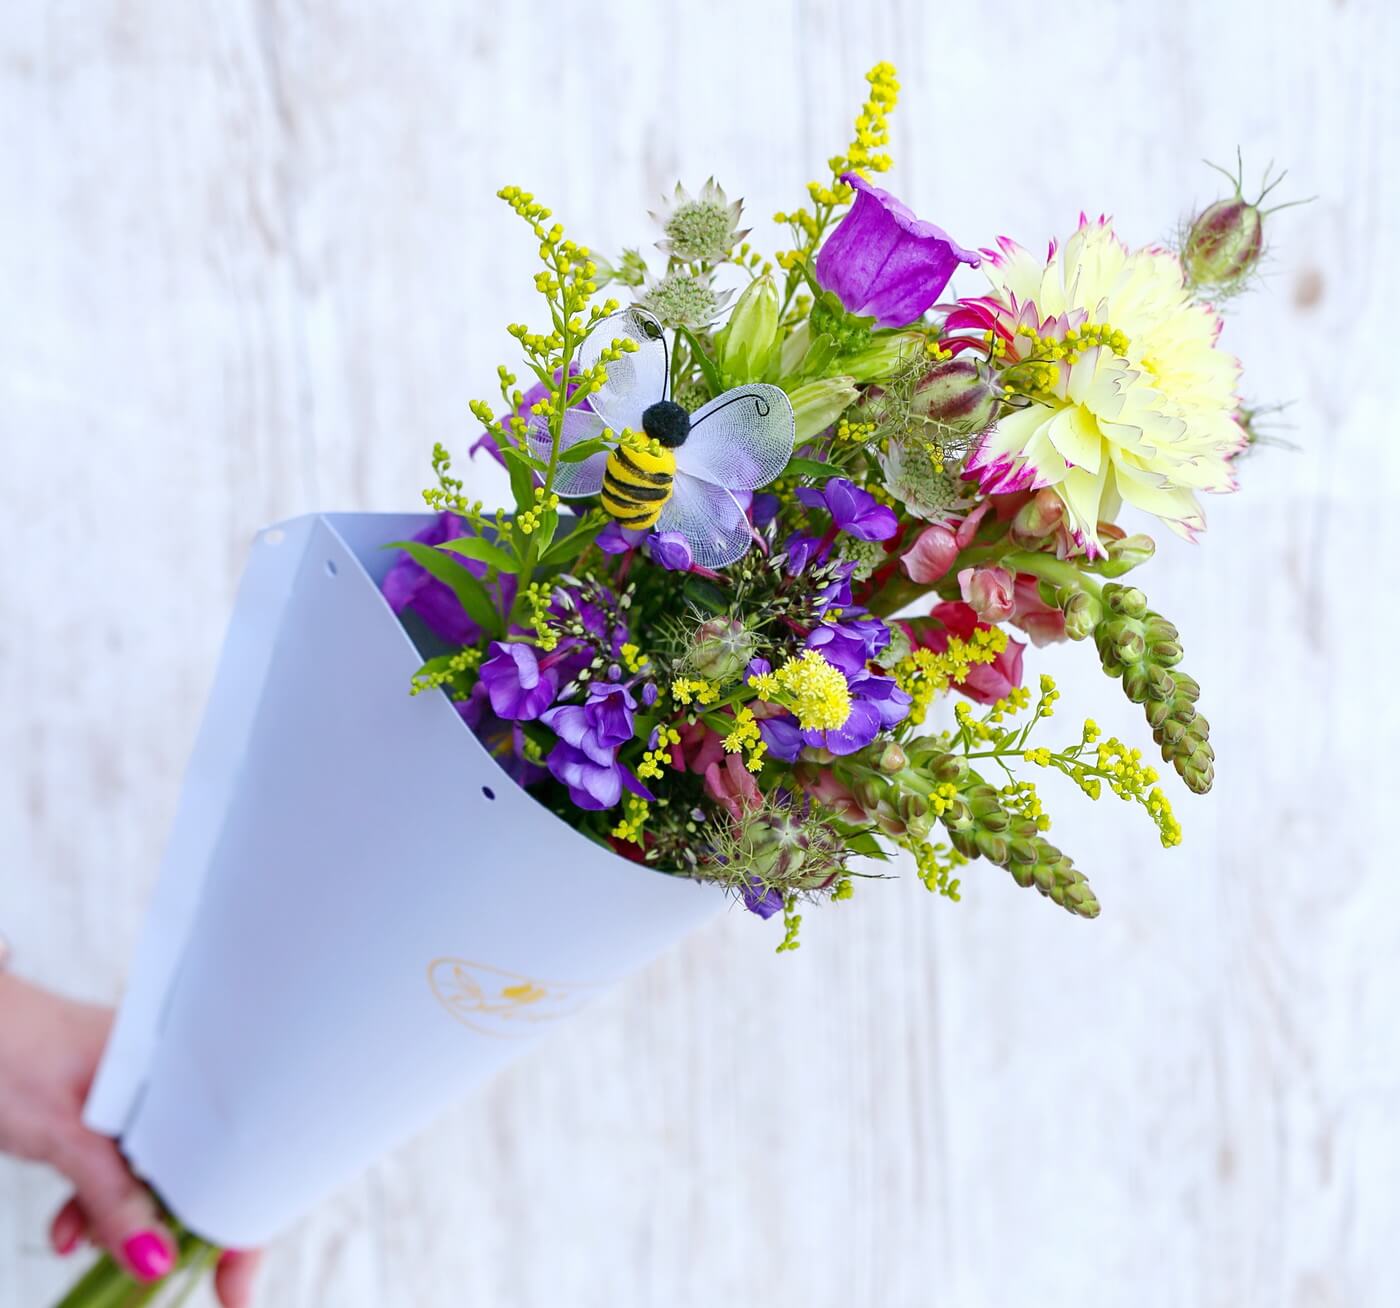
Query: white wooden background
[[251, 264]]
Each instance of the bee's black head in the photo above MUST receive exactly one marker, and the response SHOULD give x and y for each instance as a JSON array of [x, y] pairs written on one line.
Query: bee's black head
[[666, 422]]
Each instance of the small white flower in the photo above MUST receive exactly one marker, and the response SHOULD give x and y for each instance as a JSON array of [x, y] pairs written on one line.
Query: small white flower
[[924, 485], [700, 230]]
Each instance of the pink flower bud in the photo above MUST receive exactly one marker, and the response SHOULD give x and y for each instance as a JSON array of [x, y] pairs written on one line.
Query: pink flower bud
[[990, 591], [933, 552], [1224, 243]]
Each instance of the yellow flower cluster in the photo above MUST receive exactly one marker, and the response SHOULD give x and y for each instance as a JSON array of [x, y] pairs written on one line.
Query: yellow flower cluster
[[1129, 779], [926, 673], [686, 690], [815, 691], [444, 672], [537, 597], [656, 759], [1021, 799], [629, 827], [529, 519], [935, 865], [745, 737], [632, 658], [637, 441], [1038, 372], [854, 432], [866, 153]]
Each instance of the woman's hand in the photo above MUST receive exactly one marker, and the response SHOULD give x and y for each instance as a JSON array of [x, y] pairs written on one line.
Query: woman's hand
[[49, 1048]]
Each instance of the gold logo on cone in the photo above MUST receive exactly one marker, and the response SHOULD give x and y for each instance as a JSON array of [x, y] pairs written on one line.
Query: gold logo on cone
[[500, 1003]]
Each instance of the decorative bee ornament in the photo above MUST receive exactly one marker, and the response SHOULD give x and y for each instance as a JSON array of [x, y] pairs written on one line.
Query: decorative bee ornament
[[738, 441]]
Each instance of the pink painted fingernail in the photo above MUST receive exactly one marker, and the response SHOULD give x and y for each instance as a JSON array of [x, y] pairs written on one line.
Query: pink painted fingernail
[[149, 1255]]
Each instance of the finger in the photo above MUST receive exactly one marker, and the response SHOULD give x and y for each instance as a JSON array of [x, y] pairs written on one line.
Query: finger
[[120, 1212], [234, 1277], [67, 1228]]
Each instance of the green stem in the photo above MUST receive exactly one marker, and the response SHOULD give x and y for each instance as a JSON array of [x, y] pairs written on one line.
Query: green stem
[[1059, 572]]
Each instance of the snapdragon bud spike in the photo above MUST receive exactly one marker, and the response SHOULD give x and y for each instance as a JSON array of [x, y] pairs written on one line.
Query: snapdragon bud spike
[[1142, 650]]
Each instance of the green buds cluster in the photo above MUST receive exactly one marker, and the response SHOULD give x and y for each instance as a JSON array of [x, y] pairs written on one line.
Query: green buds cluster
[[1083, 611], [1141, 649], [979, 825]]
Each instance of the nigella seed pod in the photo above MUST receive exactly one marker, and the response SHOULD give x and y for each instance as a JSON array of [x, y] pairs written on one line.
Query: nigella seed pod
[[721, 648], [956, 395], [1224, 244]]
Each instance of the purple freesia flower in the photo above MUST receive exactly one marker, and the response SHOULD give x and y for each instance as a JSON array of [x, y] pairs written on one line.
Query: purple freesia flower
[[409, 586], [617, 539], [763, 902], [877, 703], [763, 509], [836, 594], [671, 550], [883, 262], [520, 687], [609, 712], [849, 644], [582, 760], [782, 735], [801, 550], [853, 510]]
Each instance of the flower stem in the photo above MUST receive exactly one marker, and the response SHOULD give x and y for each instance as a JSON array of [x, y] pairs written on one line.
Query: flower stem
[[1047, 567]]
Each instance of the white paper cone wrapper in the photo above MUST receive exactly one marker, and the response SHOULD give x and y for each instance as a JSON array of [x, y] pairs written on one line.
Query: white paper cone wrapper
[[359, 914]]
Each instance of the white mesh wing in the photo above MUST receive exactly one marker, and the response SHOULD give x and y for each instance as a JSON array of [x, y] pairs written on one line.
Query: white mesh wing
[[741, 439], [571, 480], [709, 518], [637, 380]]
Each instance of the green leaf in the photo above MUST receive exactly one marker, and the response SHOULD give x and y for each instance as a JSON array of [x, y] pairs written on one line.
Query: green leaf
[[708, 367], [809, 468], [473, 547], [584, 450], [572, 545], [522, 478], [471, 594]]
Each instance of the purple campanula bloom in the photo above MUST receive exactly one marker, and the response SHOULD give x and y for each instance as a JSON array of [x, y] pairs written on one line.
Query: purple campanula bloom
[[410, 586], [671, 550], [853, 510], [839, 646], [519, 687], [763, 902], [883, 262]]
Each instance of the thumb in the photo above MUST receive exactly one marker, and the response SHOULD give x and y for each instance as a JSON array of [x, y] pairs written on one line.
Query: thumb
[[121, 1214]]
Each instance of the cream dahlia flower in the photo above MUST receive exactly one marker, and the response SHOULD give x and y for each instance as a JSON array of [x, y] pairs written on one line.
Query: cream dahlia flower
[[1123, 393]]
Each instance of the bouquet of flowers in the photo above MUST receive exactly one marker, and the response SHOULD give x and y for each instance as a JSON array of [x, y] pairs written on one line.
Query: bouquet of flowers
[[752, 546], [750, 549]]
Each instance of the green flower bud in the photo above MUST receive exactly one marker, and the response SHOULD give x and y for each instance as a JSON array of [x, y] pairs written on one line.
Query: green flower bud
[[1127, 600], [746, 343], [1126, 554], [1224, 244], [1082, 611], [720, 649], [883, 357], [817, 404], [892, 759], [957, 396]]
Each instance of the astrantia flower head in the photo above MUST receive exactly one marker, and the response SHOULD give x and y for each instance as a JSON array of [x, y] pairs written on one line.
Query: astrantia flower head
[[681, 300], [1126, 396], [702, 230], [922, 484]]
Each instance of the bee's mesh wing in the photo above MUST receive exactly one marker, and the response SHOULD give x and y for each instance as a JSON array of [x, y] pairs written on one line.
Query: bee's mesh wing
[[635, 381], [571, 480], [741, 439], [709, 518]]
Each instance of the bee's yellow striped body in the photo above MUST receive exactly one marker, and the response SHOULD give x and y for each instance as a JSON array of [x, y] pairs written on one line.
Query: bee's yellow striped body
[[636, 486]]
